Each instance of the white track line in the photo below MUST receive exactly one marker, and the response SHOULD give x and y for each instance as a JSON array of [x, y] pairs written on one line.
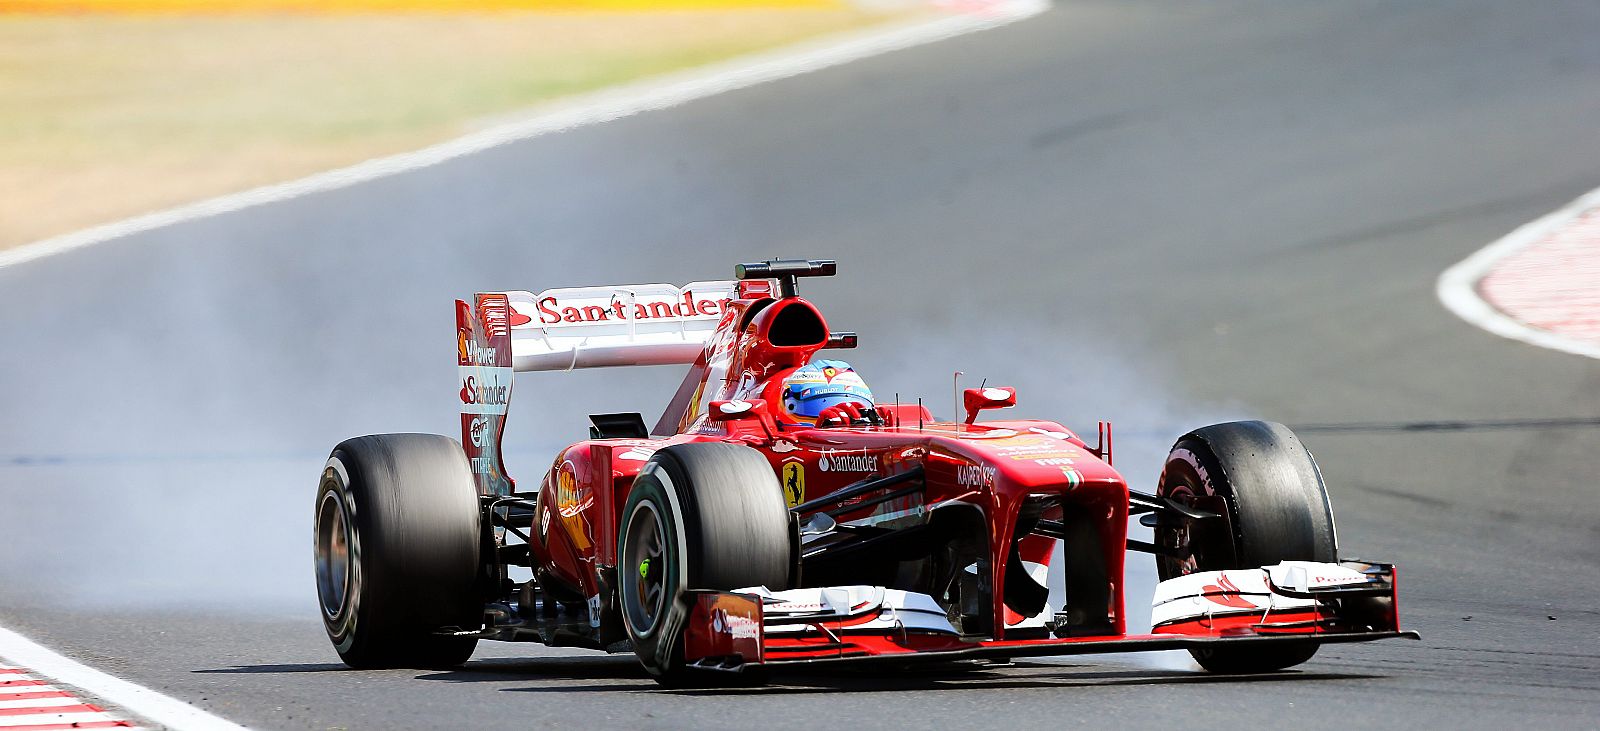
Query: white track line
[[585, 110], [135, 699], [57, 721], [65, 700], [40, 703], [1458, 285]]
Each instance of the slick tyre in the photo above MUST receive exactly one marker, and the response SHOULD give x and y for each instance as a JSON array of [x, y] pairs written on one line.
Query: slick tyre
[[699, 516], [1277, 510], [397, 549]]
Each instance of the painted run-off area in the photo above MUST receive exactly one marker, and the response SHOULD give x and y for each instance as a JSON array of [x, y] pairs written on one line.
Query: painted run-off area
[[30, 702], [108, 116], [1553, 284]]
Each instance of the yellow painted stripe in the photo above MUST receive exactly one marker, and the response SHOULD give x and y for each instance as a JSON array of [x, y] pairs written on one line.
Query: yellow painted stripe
[[370, 6]]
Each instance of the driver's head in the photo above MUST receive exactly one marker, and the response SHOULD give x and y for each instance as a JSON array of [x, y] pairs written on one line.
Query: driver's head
[[819, 385]]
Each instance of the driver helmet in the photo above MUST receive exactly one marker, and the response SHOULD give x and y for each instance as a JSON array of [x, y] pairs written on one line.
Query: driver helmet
[[814, 387]]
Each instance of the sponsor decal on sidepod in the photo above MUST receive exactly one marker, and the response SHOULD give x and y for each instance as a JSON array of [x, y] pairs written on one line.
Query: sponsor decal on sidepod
[[794, 483], [973, 475], [835, 461]]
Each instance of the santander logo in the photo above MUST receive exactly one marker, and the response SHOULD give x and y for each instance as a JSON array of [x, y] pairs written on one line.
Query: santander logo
[[1226, 593], [491, 393], [552, 311]]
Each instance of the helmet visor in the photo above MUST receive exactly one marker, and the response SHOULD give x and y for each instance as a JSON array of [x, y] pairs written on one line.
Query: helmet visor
[[809, 402]]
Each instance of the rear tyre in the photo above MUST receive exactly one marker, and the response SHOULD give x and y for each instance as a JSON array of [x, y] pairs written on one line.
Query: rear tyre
[[699, 516], [397, 548], [1277, 509]]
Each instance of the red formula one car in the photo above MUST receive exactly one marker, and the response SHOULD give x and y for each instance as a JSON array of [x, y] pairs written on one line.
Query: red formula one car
[[778, 515]]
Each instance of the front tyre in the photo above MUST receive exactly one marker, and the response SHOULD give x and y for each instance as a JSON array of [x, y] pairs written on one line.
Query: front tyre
[[1277, 509], [397, 544], [699, 516]]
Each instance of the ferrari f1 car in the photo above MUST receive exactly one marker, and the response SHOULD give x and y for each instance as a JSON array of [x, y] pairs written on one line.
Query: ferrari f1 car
[[777, 515]]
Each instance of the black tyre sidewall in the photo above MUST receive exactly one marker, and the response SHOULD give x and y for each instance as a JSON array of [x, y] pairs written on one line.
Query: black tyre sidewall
[[414, 552], [736, 522], [1278, 510], [1277, 503], [656, 645], [344, 623], [727, 527]]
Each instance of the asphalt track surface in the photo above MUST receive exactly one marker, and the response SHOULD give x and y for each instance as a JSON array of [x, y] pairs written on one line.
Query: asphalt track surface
[[1164, 214]]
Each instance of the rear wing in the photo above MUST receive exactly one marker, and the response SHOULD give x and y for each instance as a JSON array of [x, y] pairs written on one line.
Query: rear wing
[[631, 325], [500, 333]]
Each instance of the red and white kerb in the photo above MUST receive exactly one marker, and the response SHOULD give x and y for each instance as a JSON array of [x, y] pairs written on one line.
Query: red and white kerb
[[30, 702], [1554, 284]]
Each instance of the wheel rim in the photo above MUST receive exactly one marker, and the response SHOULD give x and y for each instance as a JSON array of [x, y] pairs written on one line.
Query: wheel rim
[[644, 586], [1182, 538], [1193, 550], [333, 555]]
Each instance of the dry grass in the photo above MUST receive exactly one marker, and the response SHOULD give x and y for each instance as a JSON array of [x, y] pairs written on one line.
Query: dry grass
[[103, 117], [368, 6]]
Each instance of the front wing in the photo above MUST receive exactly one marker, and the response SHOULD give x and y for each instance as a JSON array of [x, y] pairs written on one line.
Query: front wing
[[1353, 601]]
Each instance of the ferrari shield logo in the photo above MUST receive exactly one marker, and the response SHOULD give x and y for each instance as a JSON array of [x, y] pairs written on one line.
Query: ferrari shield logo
[[794, 483]]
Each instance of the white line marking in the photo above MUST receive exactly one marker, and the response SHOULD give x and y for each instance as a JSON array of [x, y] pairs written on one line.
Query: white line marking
[[135, 699], [594, 108], [1458, 285], [9, 690], [65, 700], [42, 719]]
